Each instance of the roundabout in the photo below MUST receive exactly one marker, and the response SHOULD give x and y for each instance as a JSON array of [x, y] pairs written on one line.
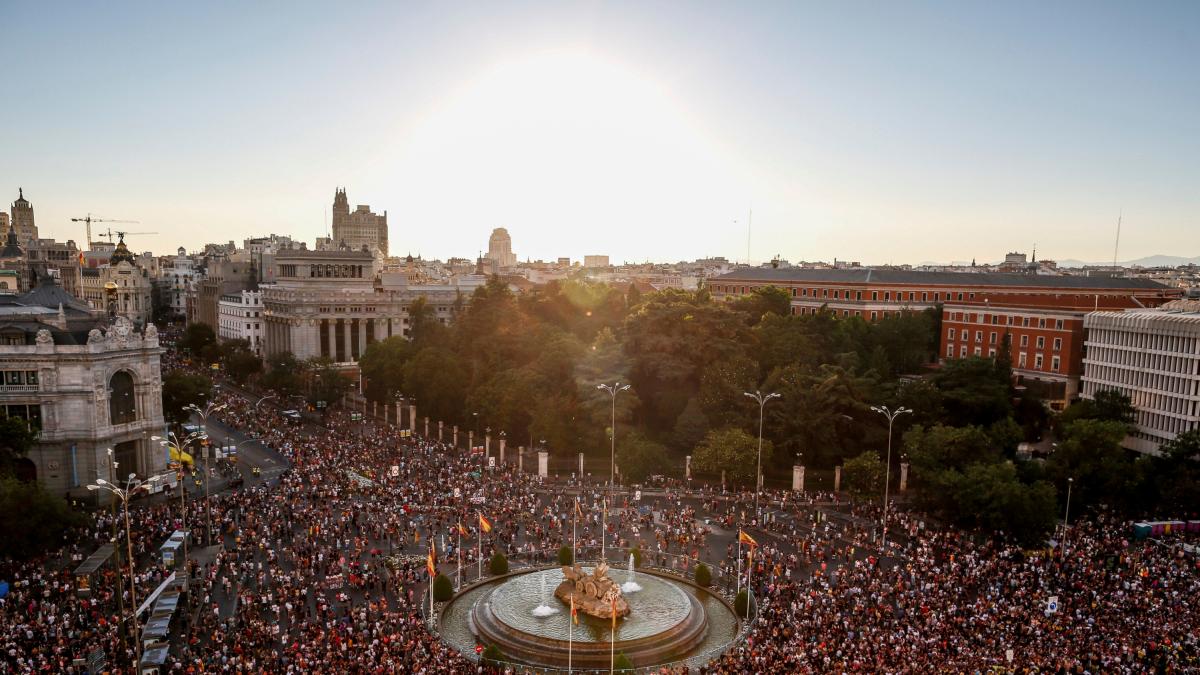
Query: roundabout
[[669, 620]]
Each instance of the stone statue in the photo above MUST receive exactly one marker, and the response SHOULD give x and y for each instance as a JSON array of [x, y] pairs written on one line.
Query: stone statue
[[94, 336], [151, 332], [594, 593], [44, 338]]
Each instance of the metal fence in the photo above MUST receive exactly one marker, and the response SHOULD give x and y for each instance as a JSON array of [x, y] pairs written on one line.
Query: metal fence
[[669, 565]]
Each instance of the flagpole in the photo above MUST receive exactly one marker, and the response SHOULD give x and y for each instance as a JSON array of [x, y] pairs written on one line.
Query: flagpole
[[604, 530], [479, 550], [739, 564], [749, 589], [458, 549], [571, 629], [574, 524]]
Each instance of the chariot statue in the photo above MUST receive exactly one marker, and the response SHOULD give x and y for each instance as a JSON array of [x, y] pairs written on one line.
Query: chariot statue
[[595, 594]]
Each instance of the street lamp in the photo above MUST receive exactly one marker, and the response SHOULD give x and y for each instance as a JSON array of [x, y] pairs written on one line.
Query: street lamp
[[891, 416], [762, 402], [1067, 516], [208, 410], [612, 391], [132, 485]]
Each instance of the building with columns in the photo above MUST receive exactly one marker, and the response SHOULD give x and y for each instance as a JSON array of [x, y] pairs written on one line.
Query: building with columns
[[87, 382], [333, 304]]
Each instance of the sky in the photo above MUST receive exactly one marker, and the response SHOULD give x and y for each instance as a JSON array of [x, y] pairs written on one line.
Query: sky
[[877, 132]]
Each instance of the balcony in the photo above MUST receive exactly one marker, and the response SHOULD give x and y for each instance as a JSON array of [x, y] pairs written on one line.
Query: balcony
[[18, 388]]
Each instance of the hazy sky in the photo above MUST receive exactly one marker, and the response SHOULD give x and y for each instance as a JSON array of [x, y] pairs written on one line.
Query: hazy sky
[[880, 131]]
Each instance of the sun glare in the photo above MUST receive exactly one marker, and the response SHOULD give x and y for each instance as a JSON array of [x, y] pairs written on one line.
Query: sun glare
[[554, 137]]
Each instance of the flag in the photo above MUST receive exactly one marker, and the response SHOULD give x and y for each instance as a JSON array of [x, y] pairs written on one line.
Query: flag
[[613, 604], [578, 511], [484, 524], [81, 258], [746, 539], [574, 612], [462, 531], [431, 560]]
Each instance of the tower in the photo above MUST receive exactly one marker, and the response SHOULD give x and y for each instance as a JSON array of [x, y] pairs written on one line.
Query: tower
[[22, 218], [341, 215]]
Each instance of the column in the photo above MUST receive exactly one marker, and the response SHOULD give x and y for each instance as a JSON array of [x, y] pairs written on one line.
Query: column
[[471, 439], [399, 416], [487, 447], [837, 478], [521, 459], [543, 463], [440, 424], [346, 326], [412, 417], [455, 436], [502, 451], [687, 467], [797, 478], [426, 426], [903, 476]]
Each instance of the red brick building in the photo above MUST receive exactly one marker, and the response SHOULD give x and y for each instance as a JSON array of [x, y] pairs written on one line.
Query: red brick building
[[1041, 315]]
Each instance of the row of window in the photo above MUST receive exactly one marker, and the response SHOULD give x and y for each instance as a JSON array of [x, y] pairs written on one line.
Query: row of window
[[996, 320], [20, 377], [848, 294], [30, 412], [1039, 361], [993, 339], [875, 315], [1141, 371]]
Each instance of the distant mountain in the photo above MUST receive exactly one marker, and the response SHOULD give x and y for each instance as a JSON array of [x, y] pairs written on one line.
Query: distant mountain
[[1148, 261]]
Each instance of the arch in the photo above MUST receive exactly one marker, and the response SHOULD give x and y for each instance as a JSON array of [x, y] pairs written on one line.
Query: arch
[[122, 400], [25, 470]]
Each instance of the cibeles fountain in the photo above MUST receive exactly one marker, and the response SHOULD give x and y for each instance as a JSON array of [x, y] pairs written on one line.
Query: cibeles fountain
[[661, 618]]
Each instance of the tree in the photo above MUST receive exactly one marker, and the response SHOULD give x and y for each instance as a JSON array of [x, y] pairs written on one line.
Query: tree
[[1090, 452], [731, 450], [1176, 474], [284, 375], [498, 564], [32, 519], [741, 603], [443, 589], [493, 656], [703, 575], [939, 448], [1107, 405], [180, 390], [819, 413], [690, 427], [197, 336], [974, 391], [640, 457], [992, 497], [764, 300], [17, 437], [382, 366], [328, 383], [863, 475], [240, 361], [566, 556], [622, 662]]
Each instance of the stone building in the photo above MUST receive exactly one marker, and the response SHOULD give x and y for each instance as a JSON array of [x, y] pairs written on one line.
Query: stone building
[[22, 218], [500, 248], [120, 288], [334, 304], [224, 275], [88, 382], [176, 279], [359, 229]]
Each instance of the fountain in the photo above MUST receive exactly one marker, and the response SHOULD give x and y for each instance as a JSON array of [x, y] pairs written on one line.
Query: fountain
[[543, 610], [631, 586]]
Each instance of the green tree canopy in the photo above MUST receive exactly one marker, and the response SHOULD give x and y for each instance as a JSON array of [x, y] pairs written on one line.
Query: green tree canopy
[[197, 336], [17, 437], [180, 390], [863, 475], [733, 451]]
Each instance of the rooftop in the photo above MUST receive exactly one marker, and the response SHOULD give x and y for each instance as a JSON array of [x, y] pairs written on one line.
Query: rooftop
[[958, 279]]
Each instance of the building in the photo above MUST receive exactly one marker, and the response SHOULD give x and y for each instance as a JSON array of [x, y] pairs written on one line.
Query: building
[[22, 218], [333, 304], [500, 248], [48, 257], [1040, 317], [120, 288], [239, 318], [223, 276], [177, 278], [360, 230], [1152, 356], [88, 382], [594, 261]]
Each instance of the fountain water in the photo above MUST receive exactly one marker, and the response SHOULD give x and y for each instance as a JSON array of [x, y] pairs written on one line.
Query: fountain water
[[543, 610], [631, 586]]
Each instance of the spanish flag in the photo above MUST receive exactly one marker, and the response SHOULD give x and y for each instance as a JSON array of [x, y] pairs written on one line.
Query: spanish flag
[[746, 539], [462, 530], [431, 560], [613, 604], [574, 612], [578, 511], [484, 524]]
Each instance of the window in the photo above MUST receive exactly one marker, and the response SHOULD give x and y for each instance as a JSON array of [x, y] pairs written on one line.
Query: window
[[874, 295], [1057, 345], [962, 351], [1041, 323], [949, 351], [1055, 363], [951, 332], [1041, 342], [1021, 360], [992, 338], [1024, 340], [1037, 361], [991, 353], [978, 336], [1058, 323], [978, 351], [122, 402]]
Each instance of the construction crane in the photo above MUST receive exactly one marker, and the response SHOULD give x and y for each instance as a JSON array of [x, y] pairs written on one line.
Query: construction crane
[[89, 220], [121, 235]]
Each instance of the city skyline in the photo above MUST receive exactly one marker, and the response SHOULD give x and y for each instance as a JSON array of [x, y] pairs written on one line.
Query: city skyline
[[885, 135]]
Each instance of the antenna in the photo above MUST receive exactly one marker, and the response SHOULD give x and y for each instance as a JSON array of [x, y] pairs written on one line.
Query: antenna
[[749, 227], [1117, 243]]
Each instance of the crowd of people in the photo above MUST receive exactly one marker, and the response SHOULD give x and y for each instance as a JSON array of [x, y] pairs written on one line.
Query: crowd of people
[[321, 568]]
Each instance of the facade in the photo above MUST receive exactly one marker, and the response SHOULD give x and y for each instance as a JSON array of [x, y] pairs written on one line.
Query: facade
[[177, 277], [240, 318], [1040, 317], [223, 276], [22, 218], [87, 382], [500, 248], [56, 259], [360, 229], [594, 261], [332, 304], [120, 288], [1152, 356]]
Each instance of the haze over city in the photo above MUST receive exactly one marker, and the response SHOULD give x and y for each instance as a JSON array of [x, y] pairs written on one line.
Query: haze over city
[[880, 133]]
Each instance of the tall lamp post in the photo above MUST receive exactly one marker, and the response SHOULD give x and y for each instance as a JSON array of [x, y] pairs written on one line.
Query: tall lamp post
[[891, 416], [612, 391], [1067, 516], [180, 446], [761, 399], [208, 410], [132, 485]]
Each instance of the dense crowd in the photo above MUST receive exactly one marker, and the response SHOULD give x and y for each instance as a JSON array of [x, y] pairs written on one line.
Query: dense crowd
[[322, 570]]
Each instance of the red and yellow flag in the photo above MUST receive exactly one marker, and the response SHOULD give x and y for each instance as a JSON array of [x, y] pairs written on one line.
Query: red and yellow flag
[[613, 603], [578, 510], [746, 539], [431, 560], [574, 612], [462, 530], [484, 524]]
